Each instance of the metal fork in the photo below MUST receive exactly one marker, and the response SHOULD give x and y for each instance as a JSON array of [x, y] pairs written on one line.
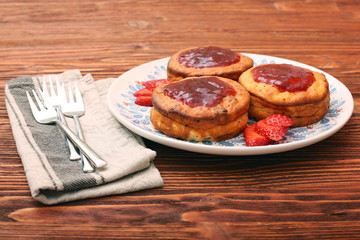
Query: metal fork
[[48, 115], [55, 101], [74, 107]]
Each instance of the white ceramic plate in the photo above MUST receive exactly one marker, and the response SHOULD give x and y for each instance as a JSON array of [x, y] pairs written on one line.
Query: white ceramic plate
[[136, 118]]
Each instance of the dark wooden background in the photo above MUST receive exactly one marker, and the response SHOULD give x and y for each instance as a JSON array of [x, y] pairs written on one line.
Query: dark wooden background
[[309, 193]]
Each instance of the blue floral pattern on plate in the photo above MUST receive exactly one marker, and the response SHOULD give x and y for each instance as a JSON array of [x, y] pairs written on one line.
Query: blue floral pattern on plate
[[138, 116]]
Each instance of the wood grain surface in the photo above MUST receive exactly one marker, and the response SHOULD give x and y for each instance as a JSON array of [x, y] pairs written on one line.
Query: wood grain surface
[[309, 193]]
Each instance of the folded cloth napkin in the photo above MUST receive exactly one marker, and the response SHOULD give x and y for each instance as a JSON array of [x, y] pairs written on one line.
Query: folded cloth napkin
[[52, 177]]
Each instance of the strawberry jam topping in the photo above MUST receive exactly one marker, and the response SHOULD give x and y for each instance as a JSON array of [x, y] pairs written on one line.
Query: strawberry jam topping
[[284, 77], [195, 92], [204, 57]]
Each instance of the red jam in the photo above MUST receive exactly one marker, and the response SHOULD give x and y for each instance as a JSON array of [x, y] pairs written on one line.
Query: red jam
[[284, 77], [204, 57], [195, 92]]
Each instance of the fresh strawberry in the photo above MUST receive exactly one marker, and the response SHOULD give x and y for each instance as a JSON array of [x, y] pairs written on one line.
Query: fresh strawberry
[[275, 133], [143, 93], [252, 138], [152, 84], [144, 101], [143, 96], [279, 120]]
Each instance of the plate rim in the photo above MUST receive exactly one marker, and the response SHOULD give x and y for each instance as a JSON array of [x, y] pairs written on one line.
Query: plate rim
[[230, 150]]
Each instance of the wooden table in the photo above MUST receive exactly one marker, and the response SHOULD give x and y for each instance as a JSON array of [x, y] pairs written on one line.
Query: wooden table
[[309, 193]]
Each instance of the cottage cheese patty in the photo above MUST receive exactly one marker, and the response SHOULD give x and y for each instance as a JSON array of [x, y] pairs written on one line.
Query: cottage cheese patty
[[207, 61], [201, 108], [293, 91]]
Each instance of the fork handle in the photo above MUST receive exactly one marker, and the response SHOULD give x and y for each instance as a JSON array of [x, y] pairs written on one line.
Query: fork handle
[[87, 166], [86, 150], [73, 153]]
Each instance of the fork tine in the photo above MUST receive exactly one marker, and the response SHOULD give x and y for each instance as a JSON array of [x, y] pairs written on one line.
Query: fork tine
[[58, 87], [61, 92], [71, 95], [38, 101], [79, 98], [33, 107], [45, 98], [52, 89], [44, 87]]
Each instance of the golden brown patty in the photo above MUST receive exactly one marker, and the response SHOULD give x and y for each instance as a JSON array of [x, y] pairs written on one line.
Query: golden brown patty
[[296, 92], [207, 61], [200, 108]]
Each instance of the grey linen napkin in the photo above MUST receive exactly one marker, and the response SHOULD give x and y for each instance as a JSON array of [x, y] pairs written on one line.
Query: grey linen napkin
[[51, 176]]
